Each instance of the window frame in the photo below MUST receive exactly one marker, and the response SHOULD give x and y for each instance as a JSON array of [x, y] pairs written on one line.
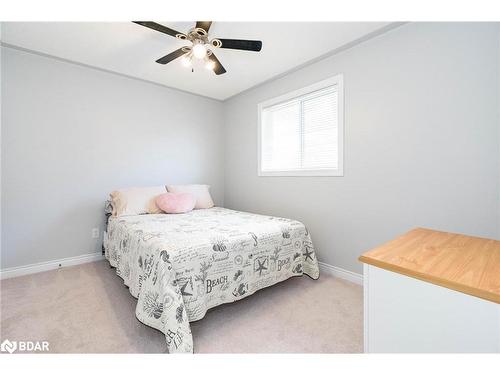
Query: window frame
[[337, 80]]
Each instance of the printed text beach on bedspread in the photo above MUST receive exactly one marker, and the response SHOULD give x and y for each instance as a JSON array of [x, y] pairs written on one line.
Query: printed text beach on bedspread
[[179, 266]]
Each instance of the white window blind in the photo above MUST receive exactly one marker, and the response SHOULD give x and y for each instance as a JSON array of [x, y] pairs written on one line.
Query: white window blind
[[301, 134]]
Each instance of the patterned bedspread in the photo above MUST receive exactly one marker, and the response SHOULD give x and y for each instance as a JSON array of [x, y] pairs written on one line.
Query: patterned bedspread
[[179, 266]]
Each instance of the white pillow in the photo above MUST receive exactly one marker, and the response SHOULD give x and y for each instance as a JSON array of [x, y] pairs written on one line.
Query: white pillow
[[203, 198], [136, 201]]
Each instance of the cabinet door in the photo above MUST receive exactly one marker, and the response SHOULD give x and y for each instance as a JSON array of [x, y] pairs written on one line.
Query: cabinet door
[[406, 315]]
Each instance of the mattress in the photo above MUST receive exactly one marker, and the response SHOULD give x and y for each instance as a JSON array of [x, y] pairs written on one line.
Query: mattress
[[179, 266]]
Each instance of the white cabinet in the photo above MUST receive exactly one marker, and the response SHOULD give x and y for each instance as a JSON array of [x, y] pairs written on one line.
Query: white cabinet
[[406, 315]]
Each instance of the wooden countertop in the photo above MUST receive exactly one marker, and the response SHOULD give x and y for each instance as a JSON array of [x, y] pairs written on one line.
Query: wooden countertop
[[467, 264]]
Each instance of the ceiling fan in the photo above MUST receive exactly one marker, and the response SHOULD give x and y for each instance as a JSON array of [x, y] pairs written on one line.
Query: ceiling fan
[[201, 42]]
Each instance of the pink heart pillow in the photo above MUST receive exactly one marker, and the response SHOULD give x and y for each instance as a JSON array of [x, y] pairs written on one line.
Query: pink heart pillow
[[176, 203]]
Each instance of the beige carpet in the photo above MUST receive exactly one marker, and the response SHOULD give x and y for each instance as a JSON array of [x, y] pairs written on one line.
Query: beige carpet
[[87, 309]]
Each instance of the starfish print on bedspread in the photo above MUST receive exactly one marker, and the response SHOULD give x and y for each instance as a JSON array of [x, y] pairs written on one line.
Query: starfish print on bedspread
[[261, 266], [308, 254]]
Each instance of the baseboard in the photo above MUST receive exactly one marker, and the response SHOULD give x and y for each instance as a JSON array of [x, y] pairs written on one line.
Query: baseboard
[[50, 265], [93, 257], [341, 273]]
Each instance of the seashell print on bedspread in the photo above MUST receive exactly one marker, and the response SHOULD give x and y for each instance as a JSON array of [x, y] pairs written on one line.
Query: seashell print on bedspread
[[180, 265]]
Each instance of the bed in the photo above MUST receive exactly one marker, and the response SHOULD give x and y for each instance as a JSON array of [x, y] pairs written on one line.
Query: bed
[[178, 266]]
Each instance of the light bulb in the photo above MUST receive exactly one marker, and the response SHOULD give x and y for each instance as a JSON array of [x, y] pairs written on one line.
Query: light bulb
[[186, 61], [210, 65], [199, 51]]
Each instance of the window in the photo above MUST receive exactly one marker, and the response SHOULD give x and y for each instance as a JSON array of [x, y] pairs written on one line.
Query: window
[[301, 133]]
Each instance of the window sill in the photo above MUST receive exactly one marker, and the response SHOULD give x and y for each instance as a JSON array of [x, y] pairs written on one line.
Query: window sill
[[303, 173]]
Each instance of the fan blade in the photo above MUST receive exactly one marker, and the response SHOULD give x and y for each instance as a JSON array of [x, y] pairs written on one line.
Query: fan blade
[[171, 56], [205, 25], [218, 68], [158, 27], [247, 45]]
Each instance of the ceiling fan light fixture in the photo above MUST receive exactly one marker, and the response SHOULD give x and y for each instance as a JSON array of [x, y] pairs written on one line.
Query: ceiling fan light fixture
[[199, 50], [209, 64], [199, 37], [186, 61]]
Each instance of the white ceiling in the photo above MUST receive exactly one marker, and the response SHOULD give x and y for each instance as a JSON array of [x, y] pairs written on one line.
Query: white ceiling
[[130, 49]]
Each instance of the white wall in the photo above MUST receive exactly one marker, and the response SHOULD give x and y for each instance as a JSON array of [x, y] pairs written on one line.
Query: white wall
[[421, 142], [70, 135]]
